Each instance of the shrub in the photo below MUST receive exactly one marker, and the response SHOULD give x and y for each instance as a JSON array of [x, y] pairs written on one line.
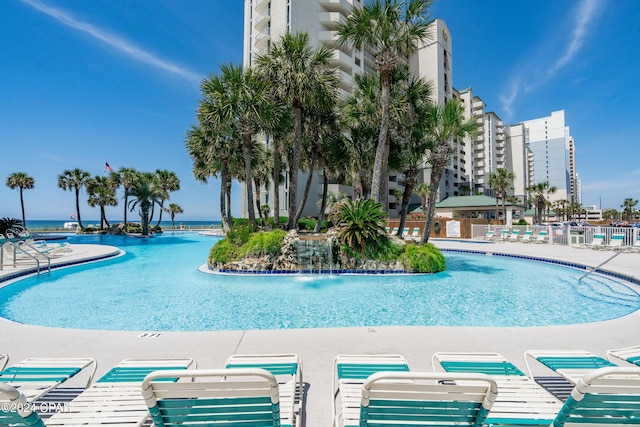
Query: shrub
[[7, 223], [239, 234], [360, 223], [385, 250], [223, 251], [306, 224], [264, 243], [522, 222], [423, 259]]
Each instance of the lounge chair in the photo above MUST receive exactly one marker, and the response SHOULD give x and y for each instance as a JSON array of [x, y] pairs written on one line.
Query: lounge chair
[[115, 398], [526, 237], [542, 237], [394, 231], [635, 246], [416, 232], [490, 235], [616, 242], [4, 358], [570, 364], [597, 242], [505, 234], [35, 377], [287, 368], [405, 231], [604, 397], [422, 399], [628, 354], [520, 401], [349, 374], [514, 236], [15, 409], [387, 229], [214, 397]]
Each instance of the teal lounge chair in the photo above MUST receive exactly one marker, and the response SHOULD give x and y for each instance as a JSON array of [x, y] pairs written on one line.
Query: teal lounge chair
[[34, 377], [417, 399], [214, 397], [520, 401], [526, 237], [15, 410], [514, 236], [416, 232], [597, 242], [616, 242], [628, 354], [349, 374], [542, 237], [115, 398], [287, 369], [570, 364]]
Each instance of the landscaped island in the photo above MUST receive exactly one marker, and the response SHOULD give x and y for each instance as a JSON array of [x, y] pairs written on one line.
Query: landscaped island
[[357, 243]]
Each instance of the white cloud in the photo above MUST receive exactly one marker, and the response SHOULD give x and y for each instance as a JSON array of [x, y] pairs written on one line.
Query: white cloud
[[120, 44], [527, 78]]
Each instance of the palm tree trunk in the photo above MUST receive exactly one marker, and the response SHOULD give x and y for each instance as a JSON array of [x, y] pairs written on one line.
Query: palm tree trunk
[[24, 222], [144, 217], [382, 137], [276, 183], [409, 184], [384, 175], [246, 152], [294, 166], [126, 200], [223, 193], [78, 207], [504, 206], [307, 186], [323, 205], [434, 182], [160, 217], [257, 200]]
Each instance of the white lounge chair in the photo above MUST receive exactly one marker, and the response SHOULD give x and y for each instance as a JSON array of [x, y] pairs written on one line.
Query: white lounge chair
[[34, 377], [349, 374], [214, 397], [616, 242], [420, 399], [628, 354], [416, 232], [570, 364], [542, 237], [597, 242], [514, 236], [4, 358], [490, 235], [520, 401], [115, 398], [526, 237], [15, 409], [287, 368]]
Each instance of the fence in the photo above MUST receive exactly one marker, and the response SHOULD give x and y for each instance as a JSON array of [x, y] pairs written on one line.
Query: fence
[[566, 235]]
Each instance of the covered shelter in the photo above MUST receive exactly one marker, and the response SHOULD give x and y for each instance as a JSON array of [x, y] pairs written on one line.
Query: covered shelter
[[479, 206]]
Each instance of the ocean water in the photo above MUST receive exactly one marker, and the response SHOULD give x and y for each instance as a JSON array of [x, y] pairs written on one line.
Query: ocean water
[[37, 225]]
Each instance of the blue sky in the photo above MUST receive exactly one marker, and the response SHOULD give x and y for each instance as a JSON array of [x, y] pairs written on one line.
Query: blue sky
[[84, 83]]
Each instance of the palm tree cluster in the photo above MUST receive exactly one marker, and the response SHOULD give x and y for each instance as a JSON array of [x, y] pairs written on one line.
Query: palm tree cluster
[[146, 190], [291, 97]]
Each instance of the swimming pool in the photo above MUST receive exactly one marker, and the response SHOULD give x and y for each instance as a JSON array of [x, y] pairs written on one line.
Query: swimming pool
[[156, 286]]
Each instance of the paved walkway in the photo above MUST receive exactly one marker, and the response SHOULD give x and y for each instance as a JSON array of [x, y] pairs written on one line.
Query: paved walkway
[[317, 347]]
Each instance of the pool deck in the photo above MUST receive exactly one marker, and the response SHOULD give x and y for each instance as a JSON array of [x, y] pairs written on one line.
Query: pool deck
[[318, 347]]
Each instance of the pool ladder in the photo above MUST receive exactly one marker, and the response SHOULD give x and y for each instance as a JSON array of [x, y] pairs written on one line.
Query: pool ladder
[[600, 265]]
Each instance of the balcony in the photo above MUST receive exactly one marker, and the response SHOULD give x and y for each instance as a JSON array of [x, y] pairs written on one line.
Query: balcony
[[261, 21], [262, 5], [329, 38], [478, 105], [330, 19], [341, 60], [343, 6], [479, 147], [479, 155], [261, 40]]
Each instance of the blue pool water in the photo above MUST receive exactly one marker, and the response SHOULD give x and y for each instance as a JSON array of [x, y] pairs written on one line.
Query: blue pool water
[[156, 286]]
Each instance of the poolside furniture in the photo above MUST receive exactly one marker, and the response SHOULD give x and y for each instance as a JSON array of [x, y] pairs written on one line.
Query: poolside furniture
[[490, 235], [570, 364], [542, 237], [520, 401], [635, 246], [405, 231], [616, 242], [628, 354], [4, 358], [349, 374], [387, 229], [421, 399], [15, 410], [394, 231], [115, 399], [34, 377], [287, 369], [514, 236], [214, 397], [416, 232], [526, 237], [505, 234], [597, 242]]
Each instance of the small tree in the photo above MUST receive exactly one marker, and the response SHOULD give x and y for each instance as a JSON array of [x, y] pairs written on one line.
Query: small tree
[[173, 210], [360, 223], [74, 180]]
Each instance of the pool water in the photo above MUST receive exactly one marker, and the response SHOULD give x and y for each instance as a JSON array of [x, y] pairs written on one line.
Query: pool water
[[156, 286]]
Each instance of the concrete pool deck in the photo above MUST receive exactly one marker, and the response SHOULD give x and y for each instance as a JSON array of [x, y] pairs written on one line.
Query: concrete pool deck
[[318, 347]]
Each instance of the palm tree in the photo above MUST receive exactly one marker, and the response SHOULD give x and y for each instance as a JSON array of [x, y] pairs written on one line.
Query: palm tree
[[127, 177], [445, 125], [21, 181], [501, 182], [391, 29], [169, 182], [173, 210], [146, 191], [300, 78], [102, 192], [238, 102], [74, 180], [627, 206], [423, 190], [539, 194]]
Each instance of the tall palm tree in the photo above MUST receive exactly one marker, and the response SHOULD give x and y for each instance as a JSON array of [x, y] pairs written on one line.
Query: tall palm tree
[[390, 29], [21, 181], [628, 206], [102, 192], [173, 210], [538, 194], [423, 190], [239, 103], [127, 177], [445, 126], [501, 182], [169, 182], [146, 191], [74, 180], [300, 78]]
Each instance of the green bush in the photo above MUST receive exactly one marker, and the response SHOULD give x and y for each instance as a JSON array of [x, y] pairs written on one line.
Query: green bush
[[271, 221], [239, 222], [264, 243], [235, 247], [224, 251], [306, 224], [360, 223], [522, 222], [239, 234], [384, 250], [423, 259]]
